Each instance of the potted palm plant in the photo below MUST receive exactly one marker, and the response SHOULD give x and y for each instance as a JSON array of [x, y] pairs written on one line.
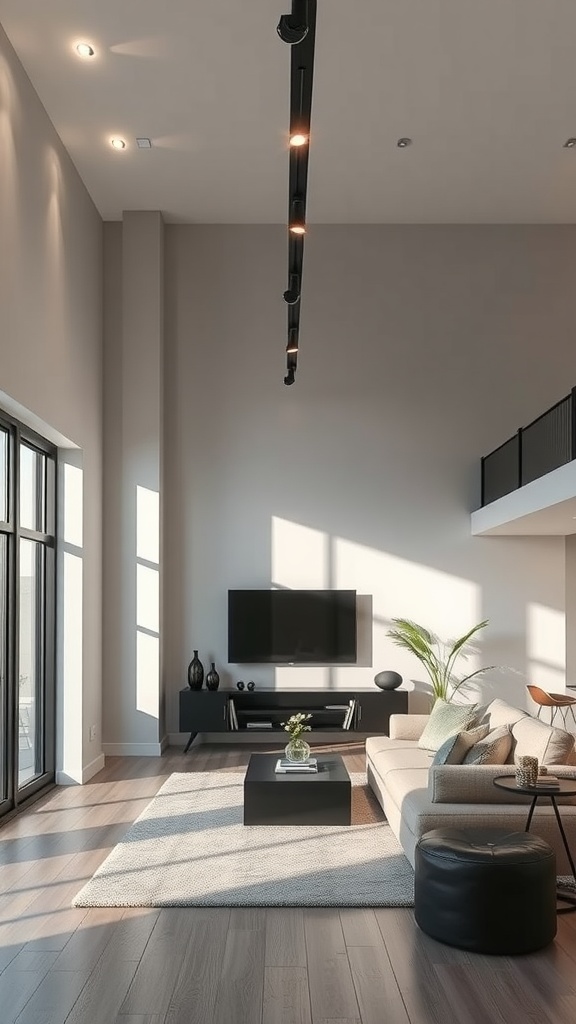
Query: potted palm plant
[[438, 657]]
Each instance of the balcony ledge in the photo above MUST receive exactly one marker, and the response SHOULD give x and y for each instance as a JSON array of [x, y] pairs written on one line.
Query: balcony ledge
[[546, 507]]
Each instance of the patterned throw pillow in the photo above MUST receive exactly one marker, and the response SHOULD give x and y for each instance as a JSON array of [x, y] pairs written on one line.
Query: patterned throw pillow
[[494, 749], [446, 720], [454, 750]]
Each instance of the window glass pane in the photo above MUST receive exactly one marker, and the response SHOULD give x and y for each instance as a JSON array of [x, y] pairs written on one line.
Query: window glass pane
[[30, 665], [32, 488], [3, 475], [3, 665]]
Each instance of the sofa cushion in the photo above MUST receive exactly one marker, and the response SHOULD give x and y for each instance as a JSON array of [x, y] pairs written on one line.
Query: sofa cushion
[[446, 719], [390, 755], [493, 749], [474, 784], [406, 784], [455, 748], [535, 738], [500, 713]]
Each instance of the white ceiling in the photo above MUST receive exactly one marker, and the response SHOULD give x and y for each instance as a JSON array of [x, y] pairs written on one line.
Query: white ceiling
[[486, 89]]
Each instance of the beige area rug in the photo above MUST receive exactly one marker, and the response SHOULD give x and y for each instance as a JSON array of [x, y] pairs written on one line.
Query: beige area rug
[[189, 848]]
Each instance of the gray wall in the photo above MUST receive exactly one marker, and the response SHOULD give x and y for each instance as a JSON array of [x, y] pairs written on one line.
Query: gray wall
[[421, 349], [51, 363]]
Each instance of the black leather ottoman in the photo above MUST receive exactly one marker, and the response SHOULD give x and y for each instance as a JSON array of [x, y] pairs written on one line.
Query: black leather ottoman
[[486, 890]]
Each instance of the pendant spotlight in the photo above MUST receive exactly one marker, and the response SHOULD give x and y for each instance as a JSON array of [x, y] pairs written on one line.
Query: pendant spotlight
[[292, 293], [293, 28], [298, 29]]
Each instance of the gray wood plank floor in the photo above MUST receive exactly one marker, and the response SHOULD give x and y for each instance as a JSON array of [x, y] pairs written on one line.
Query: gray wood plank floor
[[61, 965]]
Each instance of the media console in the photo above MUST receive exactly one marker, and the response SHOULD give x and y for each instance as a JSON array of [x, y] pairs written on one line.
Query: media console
[[263, 711]]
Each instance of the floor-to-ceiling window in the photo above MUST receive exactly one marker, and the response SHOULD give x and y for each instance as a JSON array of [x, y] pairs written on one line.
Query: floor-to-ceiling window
[[27, 606]]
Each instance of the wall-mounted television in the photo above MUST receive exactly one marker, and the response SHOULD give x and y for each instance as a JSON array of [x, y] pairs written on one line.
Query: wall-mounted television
[[279, 627]]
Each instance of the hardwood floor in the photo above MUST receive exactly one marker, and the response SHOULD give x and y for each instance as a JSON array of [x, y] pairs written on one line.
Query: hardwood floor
[[242, 966]]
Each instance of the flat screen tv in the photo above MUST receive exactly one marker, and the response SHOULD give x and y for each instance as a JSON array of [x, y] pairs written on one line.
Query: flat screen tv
[[310, 627]]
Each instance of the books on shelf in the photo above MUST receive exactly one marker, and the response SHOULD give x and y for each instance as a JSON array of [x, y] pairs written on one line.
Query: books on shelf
[[349, 716], [285, 767], [232, 715], [259, 725], [336, 707]]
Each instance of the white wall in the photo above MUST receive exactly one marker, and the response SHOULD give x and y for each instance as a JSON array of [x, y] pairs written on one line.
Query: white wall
[[51, 361], [421, 349], [133, 295]]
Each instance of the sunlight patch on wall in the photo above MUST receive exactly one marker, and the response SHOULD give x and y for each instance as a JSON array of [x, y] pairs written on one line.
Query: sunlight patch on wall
[[300, 556], [147, 601], [148, 524], [546, 647], [446, 604], [300, 561], [73, 483]]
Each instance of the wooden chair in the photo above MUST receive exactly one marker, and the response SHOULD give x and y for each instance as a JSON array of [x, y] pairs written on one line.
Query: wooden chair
[[556, 702]]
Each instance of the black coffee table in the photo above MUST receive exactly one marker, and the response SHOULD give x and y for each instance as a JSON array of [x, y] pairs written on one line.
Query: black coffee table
[[565, 787], [321, 798]]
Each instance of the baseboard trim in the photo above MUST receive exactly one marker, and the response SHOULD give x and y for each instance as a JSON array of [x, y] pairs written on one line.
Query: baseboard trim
[[135, 749], [83, 775]]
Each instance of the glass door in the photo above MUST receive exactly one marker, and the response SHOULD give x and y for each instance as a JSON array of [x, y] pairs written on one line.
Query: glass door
[[27, 602]]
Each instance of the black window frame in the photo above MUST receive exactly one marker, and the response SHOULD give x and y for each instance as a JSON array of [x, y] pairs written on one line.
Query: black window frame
[[46, 496]]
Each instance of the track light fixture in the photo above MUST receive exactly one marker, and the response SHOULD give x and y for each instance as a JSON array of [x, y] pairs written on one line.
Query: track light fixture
[[292, 346], [293, 28], [298, 218], [292, 293], [298, 29]]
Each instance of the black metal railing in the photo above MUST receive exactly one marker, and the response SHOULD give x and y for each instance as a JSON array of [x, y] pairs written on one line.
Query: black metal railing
[[545, 444]]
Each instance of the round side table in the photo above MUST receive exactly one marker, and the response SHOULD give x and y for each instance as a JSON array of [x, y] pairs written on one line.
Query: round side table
[[565, 787]]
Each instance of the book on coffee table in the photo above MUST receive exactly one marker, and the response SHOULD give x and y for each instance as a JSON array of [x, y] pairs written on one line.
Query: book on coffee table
[[284, 766]]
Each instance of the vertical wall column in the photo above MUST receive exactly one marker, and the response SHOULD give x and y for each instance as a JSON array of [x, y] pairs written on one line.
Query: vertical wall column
[[571, 613], [134, 284]]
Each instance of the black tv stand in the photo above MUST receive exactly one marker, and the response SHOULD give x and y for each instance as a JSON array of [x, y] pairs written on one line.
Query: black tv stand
[[244, 712]]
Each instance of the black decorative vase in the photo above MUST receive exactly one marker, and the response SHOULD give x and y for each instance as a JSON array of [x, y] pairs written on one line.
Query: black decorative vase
[[388, 680], [212, 679], [195, 673]]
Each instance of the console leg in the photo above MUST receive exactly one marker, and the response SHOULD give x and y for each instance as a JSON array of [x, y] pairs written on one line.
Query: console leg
[[193, 736]]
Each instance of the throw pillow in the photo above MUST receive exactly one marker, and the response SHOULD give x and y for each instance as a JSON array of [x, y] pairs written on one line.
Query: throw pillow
[[454, 750], [445, 720], [493, 749], [548, 744]]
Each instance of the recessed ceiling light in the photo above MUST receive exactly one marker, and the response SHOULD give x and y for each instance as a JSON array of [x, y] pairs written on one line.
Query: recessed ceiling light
[[298, 139], [118, 143], [570, 143], [403, 143], [143, 143], [85, 50]]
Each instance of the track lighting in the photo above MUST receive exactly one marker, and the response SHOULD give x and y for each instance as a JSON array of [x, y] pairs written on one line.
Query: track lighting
[[292, 346], [292, 293], [298, 29], [293, 28], [298, 219]]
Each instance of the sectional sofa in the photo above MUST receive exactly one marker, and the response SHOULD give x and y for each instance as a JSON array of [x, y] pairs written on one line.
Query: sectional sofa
[[417, 796]]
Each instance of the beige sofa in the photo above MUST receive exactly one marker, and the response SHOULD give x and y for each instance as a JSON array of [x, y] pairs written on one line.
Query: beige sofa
[[417, 796]]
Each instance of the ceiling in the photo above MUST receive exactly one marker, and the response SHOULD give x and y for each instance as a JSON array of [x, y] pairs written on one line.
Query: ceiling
[[486, 90]]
